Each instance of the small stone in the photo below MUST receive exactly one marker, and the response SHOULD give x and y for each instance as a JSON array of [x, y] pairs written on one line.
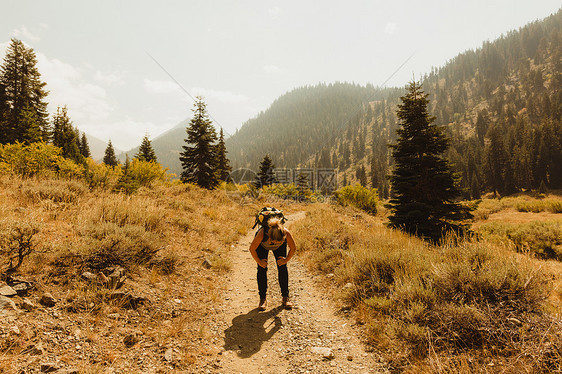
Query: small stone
[[7, 305], [349, 358], [7, 291], [331, 275], [48, 300], [325, 352], [49, 367], [34, 349], [89, 277], [116, 279], [169, 355], [22, 288]]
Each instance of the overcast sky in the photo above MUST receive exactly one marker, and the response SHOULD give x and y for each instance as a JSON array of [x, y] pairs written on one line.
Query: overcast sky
[[110, 62]]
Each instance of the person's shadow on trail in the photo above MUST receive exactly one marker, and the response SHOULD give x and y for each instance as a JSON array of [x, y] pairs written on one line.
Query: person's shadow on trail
[[250, 330]]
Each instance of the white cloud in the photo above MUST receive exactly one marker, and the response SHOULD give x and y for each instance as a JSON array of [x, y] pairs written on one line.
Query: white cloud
[[272, 69], [3, 49], [224, 96], [170, 87], [161, 87], [24, 33], [109, 78], [275, 12], [390, 28], [87, 103]]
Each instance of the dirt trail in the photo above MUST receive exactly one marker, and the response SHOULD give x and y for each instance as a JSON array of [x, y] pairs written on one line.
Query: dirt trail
[[285, 341]]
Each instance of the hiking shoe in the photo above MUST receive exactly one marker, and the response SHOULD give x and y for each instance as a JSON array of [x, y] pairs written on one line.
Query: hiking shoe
[[263, 304], [287, 304]]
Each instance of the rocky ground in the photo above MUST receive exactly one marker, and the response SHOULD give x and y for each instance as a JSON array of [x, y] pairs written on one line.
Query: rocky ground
[[118, 322], [311, 338]]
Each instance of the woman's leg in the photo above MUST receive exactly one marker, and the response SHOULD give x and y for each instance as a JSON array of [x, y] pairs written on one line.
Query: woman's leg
[[283, 273], [262, 273]]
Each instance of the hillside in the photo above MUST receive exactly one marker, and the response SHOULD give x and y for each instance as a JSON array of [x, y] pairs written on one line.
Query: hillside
[[299, 123], [501, 105]]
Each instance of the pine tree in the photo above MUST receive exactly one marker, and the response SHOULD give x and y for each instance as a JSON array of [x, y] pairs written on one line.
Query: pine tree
[[109, 156], [361, 175], [496, 161], [84, 147], [126, 182], [28, 127], [423, 186], [65, 136], [199, 157], [265, 175], [146, 152], [23, 91], [223, 163]]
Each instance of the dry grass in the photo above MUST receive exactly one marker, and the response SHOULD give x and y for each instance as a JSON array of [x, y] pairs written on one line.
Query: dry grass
[[465, 306], [161, 235]]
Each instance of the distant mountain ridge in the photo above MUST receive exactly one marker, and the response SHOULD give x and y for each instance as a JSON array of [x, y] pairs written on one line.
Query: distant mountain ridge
[[501, 106], [504, 97]]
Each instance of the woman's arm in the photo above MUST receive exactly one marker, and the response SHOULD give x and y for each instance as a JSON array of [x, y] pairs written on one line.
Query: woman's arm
[[292, 248], [255, 244]]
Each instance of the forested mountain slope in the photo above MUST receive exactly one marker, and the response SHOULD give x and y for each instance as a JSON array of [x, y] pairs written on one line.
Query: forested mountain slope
[[300, 123], [501, 105]]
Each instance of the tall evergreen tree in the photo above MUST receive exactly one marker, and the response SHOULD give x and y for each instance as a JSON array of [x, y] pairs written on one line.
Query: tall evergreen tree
[[109, 156], [223, 163], [28, 128], [423, 186], [199, 158], [146, 152], [361, 175], [23, 91], [65, 136], [84, 146], [4, 107], [265, 176], [496, 161]]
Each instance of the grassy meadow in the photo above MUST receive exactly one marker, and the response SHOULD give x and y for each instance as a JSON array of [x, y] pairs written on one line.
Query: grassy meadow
[[489, 303], [172, 240]]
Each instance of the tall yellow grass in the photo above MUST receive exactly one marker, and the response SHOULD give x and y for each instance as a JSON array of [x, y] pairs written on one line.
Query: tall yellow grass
[[466, 303]]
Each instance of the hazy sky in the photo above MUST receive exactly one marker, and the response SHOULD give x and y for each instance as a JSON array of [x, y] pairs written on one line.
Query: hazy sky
[[239, 55]]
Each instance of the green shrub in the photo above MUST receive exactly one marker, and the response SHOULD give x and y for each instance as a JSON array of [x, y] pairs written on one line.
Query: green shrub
[[535, 206], [109, 244], [460, 298], [554, 206], [101, 175], [36, 159], [136, 174], [358, 196], [544, 239]]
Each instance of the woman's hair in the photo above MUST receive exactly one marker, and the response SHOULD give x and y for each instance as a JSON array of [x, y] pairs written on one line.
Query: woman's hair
[[276, 231]]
